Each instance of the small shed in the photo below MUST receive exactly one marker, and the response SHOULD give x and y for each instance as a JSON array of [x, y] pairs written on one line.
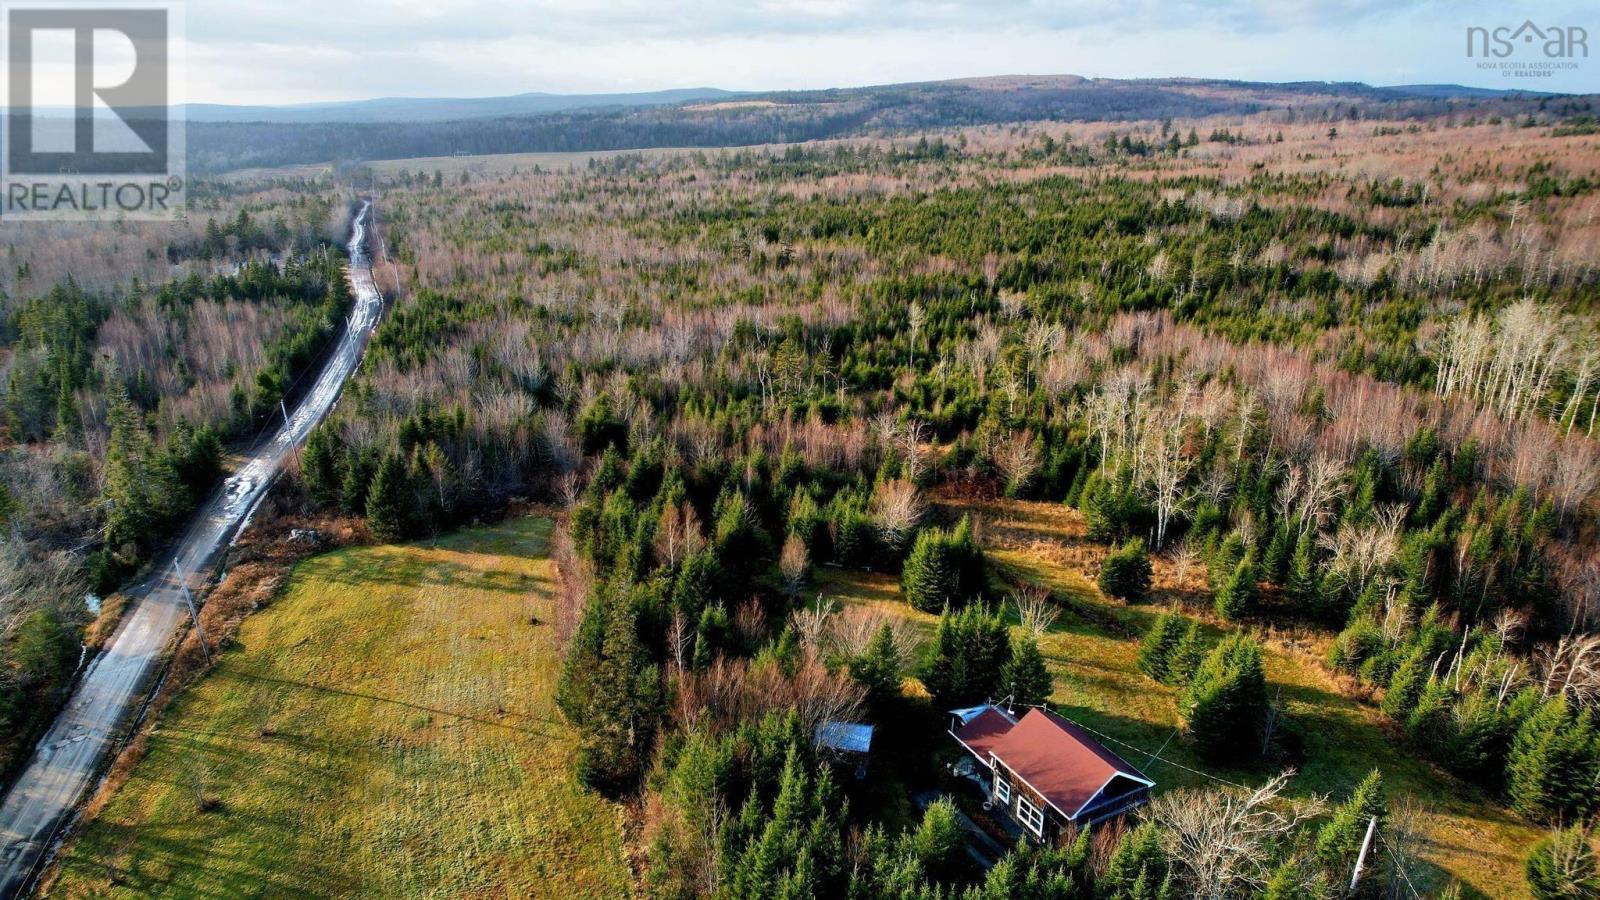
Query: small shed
[[849, 742]]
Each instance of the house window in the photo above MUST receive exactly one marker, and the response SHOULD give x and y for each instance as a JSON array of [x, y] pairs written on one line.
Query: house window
[[1002, 790], [1030, 816]]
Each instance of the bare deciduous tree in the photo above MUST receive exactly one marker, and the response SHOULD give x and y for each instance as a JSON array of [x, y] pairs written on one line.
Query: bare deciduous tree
[[851, 631], [1167, 467], [897, 508], [794, 564], [1571, 666], [678, 535], [1016, 457], [812, 624], [1035, 610], [1222, 842], [1362, 552], [679, 639]]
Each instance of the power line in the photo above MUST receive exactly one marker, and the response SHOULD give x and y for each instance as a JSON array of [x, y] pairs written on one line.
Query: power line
[[1154, 756]]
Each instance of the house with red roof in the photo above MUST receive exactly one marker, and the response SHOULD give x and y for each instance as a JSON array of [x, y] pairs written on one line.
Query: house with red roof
[[1045, 771]]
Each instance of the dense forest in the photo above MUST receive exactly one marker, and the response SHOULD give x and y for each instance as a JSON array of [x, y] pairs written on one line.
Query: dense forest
[[1318, 386], [1344, 376]]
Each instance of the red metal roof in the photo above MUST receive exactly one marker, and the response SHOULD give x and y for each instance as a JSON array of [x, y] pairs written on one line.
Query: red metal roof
[[984, 730], [1055, 757]]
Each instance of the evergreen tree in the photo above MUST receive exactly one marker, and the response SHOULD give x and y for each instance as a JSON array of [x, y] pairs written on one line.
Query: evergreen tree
[[1226, 702], [617, 727], [1563, 867], [600, 428], [389, 501], [1275, 559], [1304, 584], [969, 649], [1156, 649], [1554, 763], [1126, 572], [1407, 683], [67, 418], [1339, 840], [939, 843], [1481, 737], [879, 669], [1135, 866], [1024, 676], [355, 480], [1239, 594], [1187, 656], [695, 586], [320, 467], [943, 569], [42, 650], [141, 489], [796, 849], [1432, 723]]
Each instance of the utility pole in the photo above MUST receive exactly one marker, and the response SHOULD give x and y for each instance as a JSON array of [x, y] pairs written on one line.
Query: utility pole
[[193, 614], [1361, 859], [284, 408]]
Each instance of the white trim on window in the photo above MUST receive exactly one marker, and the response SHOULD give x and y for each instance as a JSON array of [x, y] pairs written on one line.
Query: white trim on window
[[1002, 790], [1031, 817]]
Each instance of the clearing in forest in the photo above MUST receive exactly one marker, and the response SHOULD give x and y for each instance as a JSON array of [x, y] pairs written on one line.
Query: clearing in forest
[[386, 728], [1092, 651]]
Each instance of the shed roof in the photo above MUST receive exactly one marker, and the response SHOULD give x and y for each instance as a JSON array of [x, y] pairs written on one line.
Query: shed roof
[[850, 737]]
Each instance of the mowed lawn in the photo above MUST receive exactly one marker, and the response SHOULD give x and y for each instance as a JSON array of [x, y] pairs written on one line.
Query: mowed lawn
[[386, 728], [1092, 651]]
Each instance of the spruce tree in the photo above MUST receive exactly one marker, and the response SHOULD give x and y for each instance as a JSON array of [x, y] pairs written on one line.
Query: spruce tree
[[389, 500], [320, 467], [1137, 859], [1432, 723], [1126, 573], [1187, 656], [1156, 649], [1024, 676], [970, 648], [928, 578], [1407, 683], [1563, 867], [141, 489], [1239, 594], [355, 481], [943, 569], [617, 729], [1554, 763], [1339, 840], [1226, 702], [1304, 584], [878, 669]]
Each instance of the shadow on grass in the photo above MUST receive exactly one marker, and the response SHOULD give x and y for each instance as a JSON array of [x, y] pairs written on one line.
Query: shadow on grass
[[539, 726], [368, 571]]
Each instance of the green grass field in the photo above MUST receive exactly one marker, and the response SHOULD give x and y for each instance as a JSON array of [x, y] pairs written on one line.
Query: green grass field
[[385, 728], [1092, 652]]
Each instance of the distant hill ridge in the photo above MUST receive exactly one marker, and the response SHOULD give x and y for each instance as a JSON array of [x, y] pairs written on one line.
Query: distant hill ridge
[[442, 109], [222, 138]]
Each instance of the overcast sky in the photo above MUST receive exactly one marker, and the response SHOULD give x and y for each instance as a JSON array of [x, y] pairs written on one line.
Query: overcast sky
[[284, 51]]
